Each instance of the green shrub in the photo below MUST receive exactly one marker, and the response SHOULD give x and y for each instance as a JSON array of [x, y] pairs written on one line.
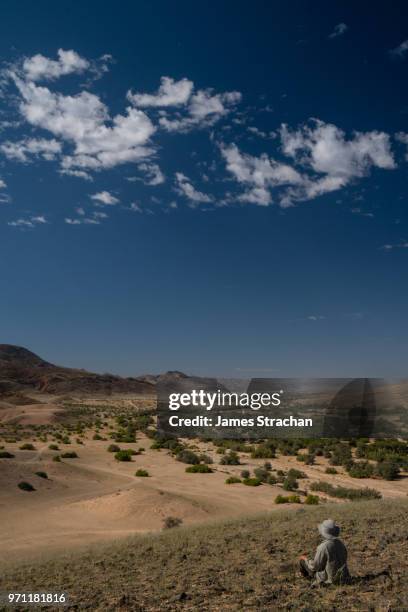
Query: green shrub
[[69, 455], [387, 470], [345, 493], [25, 486], [6, 455], [252, 482], [113, 448], [290, 483], [294, 499], [231, 458], [57, 459], [267, 466], [53, 447], [199, 468], [312, 500], [361, 470], [123, 455], [261, 474], [171, 521], [97, 437], [245, 474], [42, 475], [293, 473], [331, 470], [142, 473], [272, 480], [205, 459], [281, 499], [27, 446], [341, 454], [263, 452], [188, 456], [232, 480]]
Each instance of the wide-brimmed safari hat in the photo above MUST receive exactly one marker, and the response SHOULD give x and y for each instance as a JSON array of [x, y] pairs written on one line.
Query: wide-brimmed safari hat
[[329, 529]]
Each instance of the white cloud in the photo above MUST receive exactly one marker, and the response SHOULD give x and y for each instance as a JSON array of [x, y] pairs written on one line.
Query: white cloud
[[339, 30], [400, 51], [204, 109], [324, 149], [23, 149], [104, 198], [323, 161], [30, 222], [316, 317], [2, 184], [94, 219], [400, 245], [185, 188], [83, 120], [38, 67], [403, 137], [153, 174], [135, 207], [170, 93], [259, 174]]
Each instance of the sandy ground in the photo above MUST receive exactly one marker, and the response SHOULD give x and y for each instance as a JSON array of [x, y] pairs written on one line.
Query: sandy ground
[[95, 498]]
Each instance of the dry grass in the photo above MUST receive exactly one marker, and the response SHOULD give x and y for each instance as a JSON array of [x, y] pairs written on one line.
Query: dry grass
[[246, 564]]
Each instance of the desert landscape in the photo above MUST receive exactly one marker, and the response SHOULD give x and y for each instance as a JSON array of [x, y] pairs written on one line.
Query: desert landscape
[[85, 467]]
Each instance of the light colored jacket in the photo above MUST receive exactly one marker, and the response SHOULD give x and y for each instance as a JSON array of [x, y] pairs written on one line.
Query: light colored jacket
[[330, 562]]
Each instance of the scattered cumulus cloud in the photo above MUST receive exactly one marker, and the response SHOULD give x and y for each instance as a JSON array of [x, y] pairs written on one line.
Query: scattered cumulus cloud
[[104, 198], [400, 51], [40, 68], [339, 30], [400, 245], [185, 188], [323, 161], [170, 93], [28, 223], [153, 175], [259, 174], [23, 150]]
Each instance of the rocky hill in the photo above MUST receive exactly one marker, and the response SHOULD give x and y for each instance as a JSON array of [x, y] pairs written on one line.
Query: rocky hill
[[21, 370]]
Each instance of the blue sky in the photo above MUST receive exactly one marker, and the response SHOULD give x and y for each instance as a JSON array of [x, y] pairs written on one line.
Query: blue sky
[[217, 189]]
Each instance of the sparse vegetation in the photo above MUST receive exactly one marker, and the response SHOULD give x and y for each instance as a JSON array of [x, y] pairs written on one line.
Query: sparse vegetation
[[123, 455], [252, 482], [142, 473], [69, 455], [199, 468], [27, 446], [25, 486], [113, 448], [171, 521], [344, 492], [42, 475], [231, 458], [312, 500], [233, 480]]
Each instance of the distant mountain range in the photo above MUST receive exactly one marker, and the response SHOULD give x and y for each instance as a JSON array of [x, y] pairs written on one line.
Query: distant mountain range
[[20, 370]]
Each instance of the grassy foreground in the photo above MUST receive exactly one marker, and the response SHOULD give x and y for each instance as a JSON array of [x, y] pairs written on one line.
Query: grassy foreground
[[236, 565]]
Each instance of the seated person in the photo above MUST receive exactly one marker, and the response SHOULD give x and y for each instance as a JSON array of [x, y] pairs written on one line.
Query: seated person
[[329, 565]]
